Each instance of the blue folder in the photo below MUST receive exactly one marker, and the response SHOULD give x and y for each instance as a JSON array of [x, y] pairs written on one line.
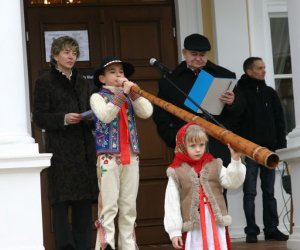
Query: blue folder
[[206, 92]]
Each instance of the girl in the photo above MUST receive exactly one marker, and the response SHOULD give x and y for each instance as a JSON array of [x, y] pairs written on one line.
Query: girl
[[195, 210]]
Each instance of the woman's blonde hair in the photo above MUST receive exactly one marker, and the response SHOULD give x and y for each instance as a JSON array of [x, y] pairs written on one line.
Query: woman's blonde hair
[[195, 134]]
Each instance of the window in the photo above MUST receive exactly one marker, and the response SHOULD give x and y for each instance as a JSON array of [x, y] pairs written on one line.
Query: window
[[282, 65]]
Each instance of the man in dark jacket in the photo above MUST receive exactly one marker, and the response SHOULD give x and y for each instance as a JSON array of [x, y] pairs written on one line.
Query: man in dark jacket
[[195, 52], [60, 96], [261, 122]]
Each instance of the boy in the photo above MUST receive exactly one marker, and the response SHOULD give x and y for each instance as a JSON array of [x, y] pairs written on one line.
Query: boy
[[117, 147]]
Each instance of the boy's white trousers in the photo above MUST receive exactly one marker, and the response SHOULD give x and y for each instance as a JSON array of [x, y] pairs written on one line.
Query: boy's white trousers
[[118, 188]]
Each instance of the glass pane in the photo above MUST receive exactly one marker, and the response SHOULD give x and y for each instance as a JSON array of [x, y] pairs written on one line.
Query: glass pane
[[280, 45], [284, 88]]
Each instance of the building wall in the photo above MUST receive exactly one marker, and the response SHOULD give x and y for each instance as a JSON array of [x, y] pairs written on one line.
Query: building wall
[[237, 30], [241, 29]]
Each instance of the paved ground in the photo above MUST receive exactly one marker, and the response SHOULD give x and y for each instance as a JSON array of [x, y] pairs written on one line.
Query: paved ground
[[237, 245]]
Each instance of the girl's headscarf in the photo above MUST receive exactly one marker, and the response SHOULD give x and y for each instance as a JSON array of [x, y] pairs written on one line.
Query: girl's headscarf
[[181, 154]]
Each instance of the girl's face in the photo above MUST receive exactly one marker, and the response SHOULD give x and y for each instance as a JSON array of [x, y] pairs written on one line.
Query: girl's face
[[111, 74], [66, 59], [195, 150]]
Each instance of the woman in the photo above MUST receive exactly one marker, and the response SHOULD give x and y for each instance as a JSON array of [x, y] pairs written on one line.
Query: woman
[[61, 95]]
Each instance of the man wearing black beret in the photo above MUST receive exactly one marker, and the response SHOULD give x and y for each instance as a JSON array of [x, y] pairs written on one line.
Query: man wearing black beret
[[195, 53]]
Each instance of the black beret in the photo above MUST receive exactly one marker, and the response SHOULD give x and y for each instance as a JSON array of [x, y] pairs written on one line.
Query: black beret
[[196, 42]]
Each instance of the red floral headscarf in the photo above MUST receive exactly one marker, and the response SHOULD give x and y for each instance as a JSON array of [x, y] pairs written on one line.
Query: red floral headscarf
[[181, 154]]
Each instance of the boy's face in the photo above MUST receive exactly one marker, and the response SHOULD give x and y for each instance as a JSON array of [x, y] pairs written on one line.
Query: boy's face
[[195, 150], [111, 74]]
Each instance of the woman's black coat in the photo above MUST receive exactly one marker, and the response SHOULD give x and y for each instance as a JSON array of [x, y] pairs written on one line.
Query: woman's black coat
[[72, 174]]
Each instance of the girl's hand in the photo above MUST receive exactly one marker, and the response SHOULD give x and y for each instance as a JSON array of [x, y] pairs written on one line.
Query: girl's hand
[[177, 242], [234, 155]]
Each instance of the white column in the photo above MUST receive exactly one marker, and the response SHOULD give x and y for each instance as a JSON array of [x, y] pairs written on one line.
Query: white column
[[231, 36], [20, 161], [14, 108], [188, 21], [294, 19], [21, 225], [232, 47], [292, 153]]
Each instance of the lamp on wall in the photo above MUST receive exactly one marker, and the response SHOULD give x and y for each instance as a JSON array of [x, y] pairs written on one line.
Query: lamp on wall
[[47, 2]]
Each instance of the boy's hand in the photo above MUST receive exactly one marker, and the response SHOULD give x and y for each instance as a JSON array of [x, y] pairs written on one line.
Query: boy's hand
[[121, 81], [177, 242], [124, 83], [127, 86], [234, 155]]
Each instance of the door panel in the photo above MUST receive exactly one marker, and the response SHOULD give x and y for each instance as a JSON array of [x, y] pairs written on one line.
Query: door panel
[[135, 32]]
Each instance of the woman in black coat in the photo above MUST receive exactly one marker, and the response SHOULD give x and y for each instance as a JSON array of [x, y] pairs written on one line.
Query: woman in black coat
[[60, 96]]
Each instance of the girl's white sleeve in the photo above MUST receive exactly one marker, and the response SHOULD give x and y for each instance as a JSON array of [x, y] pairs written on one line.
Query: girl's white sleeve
[[233, 176], [104, 111], [172, 219]]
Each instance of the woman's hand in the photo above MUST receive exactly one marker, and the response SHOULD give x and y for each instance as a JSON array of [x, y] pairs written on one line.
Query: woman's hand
[[72, 118]]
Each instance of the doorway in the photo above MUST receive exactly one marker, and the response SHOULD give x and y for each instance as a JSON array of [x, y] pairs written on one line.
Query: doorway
[[136, 31]]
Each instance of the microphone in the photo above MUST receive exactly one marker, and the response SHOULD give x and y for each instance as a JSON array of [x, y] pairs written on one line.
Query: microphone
[[160, 66]]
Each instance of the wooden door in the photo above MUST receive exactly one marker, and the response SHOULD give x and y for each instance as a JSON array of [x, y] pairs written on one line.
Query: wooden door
[[136, 31]]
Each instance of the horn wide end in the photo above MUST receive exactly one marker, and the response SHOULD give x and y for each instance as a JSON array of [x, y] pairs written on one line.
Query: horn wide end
[[272, 161]]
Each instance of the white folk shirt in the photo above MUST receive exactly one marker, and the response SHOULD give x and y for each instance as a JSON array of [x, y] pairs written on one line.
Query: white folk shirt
[[231, 177]]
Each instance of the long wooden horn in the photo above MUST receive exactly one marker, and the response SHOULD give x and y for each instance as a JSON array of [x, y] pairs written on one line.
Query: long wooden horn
[[260, 154]]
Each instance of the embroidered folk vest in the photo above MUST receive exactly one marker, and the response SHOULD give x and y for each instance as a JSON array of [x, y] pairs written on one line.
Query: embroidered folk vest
[[108, 134]]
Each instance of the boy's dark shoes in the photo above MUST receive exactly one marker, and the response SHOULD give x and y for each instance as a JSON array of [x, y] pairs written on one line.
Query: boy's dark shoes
[[251, 238], [276, 235]]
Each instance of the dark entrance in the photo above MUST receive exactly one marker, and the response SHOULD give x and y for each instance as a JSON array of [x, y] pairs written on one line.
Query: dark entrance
[[135, 30]]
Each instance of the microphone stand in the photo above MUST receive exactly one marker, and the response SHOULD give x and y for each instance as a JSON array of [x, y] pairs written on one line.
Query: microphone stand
[[204, 111]]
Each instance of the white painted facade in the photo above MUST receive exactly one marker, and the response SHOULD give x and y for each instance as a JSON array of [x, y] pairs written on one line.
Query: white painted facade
[[241, 29], [20, 161]]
